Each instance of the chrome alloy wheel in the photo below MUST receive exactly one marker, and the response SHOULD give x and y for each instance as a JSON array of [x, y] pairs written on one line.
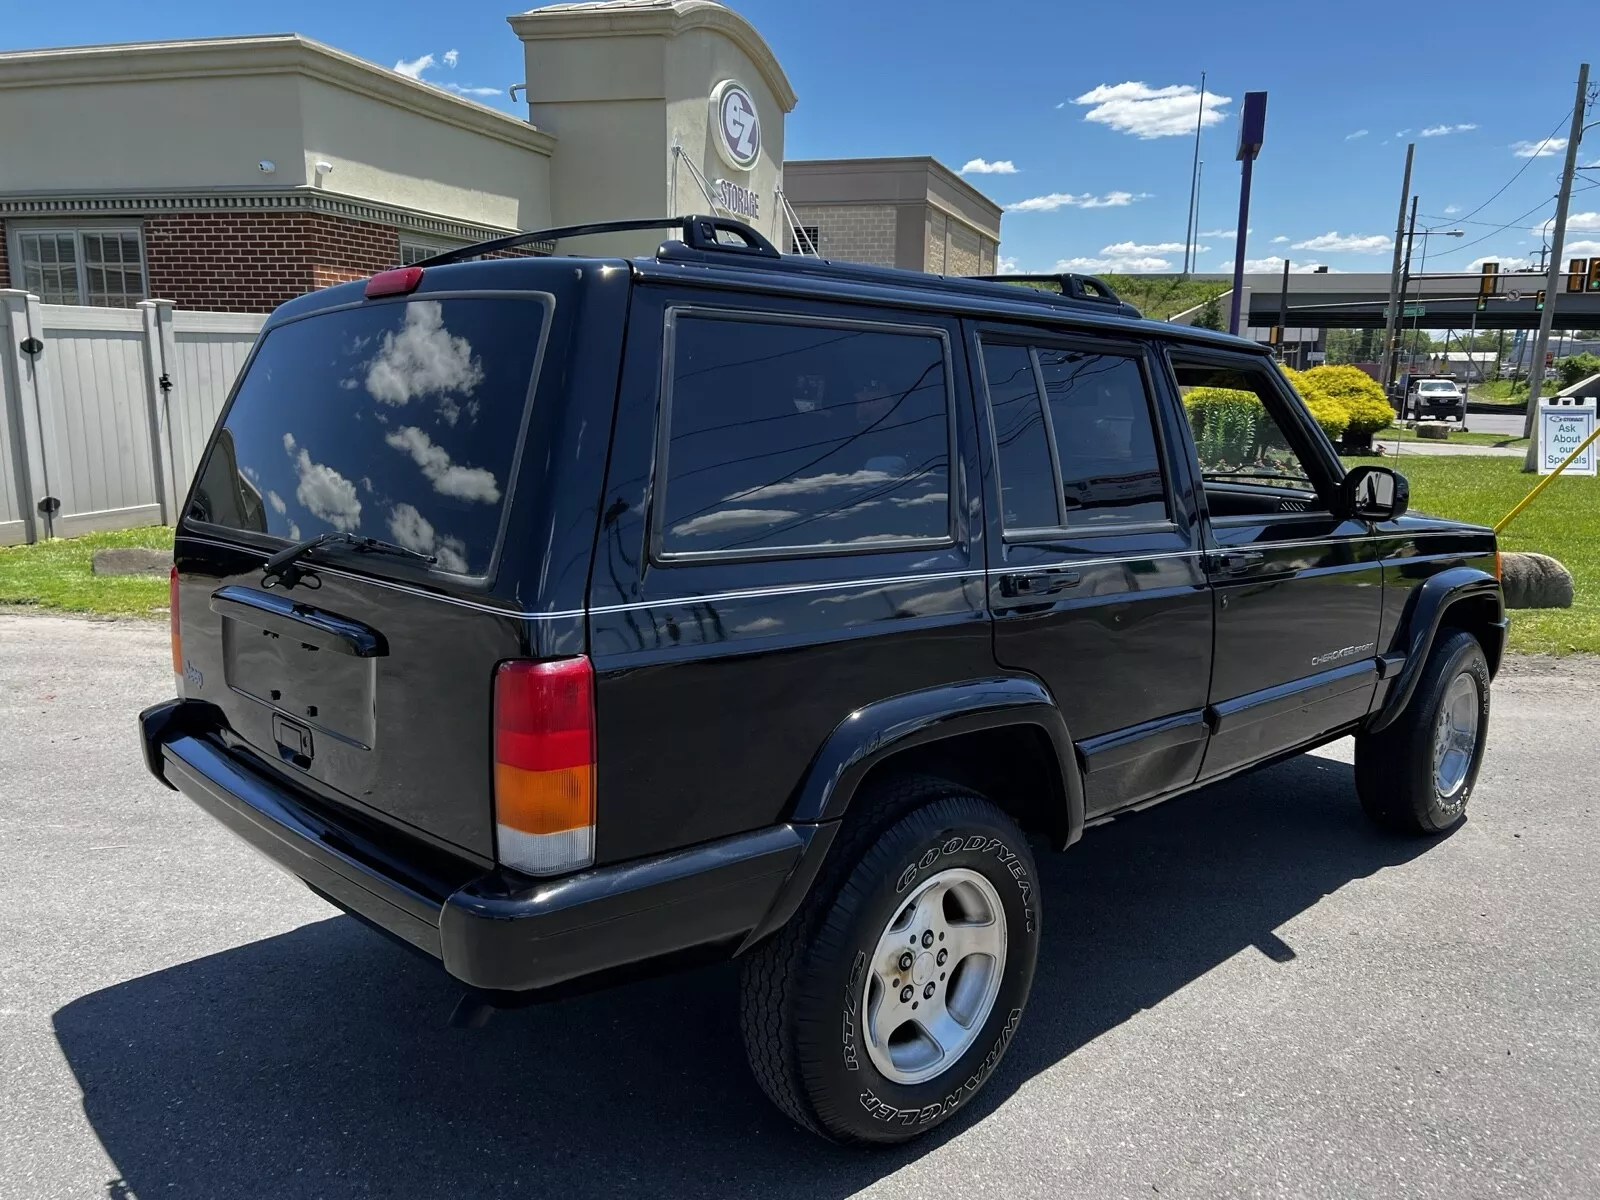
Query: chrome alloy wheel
[[1455, 738], [934, 976]]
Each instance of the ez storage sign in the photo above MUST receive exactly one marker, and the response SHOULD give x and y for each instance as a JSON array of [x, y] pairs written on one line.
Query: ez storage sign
[[1563, 426]]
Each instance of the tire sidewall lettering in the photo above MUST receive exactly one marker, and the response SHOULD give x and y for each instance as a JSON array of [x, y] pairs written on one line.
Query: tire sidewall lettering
[[977, 843]]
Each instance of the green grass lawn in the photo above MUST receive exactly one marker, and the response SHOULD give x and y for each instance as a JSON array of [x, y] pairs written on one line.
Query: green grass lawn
[[56, 574], [1512, 392], [1396, 434], [1564, 522]]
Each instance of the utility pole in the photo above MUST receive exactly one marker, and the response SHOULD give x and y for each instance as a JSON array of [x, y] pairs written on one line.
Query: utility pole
[[1393, 358], [1391, 324], [1552, 275], [1283, 314], [1194, 180]]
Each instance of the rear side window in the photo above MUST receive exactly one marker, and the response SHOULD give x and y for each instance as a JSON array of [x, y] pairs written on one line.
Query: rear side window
[[1093, 410], [783, 437], [1105, 438], [396, 421]]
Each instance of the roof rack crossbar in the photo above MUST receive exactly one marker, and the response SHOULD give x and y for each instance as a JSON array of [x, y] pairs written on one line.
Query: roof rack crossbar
[[699, 231], [1074, 286]]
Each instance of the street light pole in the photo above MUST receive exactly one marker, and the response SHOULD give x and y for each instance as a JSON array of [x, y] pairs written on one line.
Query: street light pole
[[1553, 273], [1194, 180]]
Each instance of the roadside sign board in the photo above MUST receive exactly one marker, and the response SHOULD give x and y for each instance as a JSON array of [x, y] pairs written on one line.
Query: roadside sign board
[[1562, 429], [1410, 310]]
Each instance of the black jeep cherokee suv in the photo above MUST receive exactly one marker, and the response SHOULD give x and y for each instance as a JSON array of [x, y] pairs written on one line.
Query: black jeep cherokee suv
[[568, 616]]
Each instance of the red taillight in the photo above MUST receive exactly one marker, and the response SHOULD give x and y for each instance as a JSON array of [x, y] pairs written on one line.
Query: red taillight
[[177, 634], [397, 282], [544, 764]]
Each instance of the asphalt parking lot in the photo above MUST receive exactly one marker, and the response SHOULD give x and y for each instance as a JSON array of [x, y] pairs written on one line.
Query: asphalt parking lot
[[1247, 992]]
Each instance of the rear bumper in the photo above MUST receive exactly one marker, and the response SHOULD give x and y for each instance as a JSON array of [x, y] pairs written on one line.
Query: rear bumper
[[497, 931]]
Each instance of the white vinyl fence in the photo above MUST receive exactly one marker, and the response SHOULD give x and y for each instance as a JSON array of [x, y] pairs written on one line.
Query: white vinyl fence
[[104, 412]]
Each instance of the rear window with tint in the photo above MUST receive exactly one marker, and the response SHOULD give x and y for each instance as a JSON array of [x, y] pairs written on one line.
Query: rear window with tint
[[394, 421]]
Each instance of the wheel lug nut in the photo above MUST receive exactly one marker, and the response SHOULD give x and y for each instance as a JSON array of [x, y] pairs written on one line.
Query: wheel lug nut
[[944, 956], [927, 992], [905, 961], [905, 994], [927, 939]]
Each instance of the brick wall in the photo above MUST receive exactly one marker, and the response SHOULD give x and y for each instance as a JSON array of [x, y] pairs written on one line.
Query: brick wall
[[253, 262], [934, 256], [5, 262], [862, 233], [963, 256]]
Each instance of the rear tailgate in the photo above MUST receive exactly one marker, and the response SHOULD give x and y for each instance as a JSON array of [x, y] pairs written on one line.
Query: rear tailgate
[[369, 678]]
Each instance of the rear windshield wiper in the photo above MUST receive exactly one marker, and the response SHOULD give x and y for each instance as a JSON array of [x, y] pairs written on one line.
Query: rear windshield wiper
[[281, 568]]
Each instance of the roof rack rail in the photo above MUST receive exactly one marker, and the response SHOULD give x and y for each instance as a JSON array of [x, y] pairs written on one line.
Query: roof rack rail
[[699, 231], [1074, 287]]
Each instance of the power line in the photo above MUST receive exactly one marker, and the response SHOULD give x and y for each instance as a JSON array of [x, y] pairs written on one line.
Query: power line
[[1532, 158]]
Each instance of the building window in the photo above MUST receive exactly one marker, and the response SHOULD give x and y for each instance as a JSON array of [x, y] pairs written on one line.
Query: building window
[[99, 267], [415, 252], [807, 240]]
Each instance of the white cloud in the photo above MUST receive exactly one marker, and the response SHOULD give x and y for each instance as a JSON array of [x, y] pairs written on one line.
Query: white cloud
[[1007, 266], [1443, 130], [1123, 249], [1223, 233], [1122, 265], [1279, 238], [413, 68], [732, 518], [1544, 149], [1508, 262], [807, 485], [324, 492], [1261, 266], [1055, 200], [1581, 249], [1360, 133], [1354, 243], [1578, 221], [451, 57], [412, 530], [1063, 104], [448, 478], [1451, 208], [278, 505], [459, 90], [982, 166], [423, 359], [1401, 132], [1148, 112]]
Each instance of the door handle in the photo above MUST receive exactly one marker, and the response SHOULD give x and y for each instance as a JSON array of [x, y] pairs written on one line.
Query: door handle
[[1037, 583], [1236, 562]]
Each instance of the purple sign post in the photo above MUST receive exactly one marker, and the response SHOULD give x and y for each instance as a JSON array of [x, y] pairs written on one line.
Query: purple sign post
[[1252, 132]]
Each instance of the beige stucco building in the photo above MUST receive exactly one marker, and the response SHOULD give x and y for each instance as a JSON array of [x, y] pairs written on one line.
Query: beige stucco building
[[236, 173], [913, 213]]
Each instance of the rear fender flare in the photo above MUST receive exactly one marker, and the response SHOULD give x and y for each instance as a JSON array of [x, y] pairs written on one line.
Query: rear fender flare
[[1428, 607], [876, 732]]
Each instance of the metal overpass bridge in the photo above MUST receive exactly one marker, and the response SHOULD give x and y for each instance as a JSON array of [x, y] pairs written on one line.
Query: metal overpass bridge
[[1448, 301]]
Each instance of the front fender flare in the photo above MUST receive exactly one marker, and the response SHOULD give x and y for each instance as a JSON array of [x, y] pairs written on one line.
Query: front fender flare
[[1427, 608]]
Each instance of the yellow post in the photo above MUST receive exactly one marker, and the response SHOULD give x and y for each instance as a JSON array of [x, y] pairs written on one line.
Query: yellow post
[[1545, 482]]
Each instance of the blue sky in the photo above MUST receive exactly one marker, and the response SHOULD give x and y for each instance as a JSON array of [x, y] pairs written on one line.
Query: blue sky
[[1068, 105]]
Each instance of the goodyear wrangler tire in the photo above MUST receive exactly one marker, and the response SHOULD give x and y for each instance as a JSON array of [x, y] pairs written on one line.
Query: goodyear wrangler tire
[[885, 1004]]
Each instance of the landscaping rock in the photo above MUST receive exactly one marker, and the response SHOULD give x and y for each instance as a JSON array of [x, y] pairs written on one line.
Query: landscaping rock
[[1535, 581], [131, 560], [1433, 432]]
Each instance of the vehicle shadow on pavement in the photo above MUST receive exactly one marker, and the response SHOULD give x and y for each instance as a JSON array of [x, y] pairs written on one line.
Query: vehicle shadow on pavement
[[317, 1063]]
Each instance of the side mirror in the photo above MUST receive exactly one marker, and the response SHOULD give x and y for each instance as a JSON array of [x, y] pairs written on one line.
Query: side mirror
[[1375, 494]]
